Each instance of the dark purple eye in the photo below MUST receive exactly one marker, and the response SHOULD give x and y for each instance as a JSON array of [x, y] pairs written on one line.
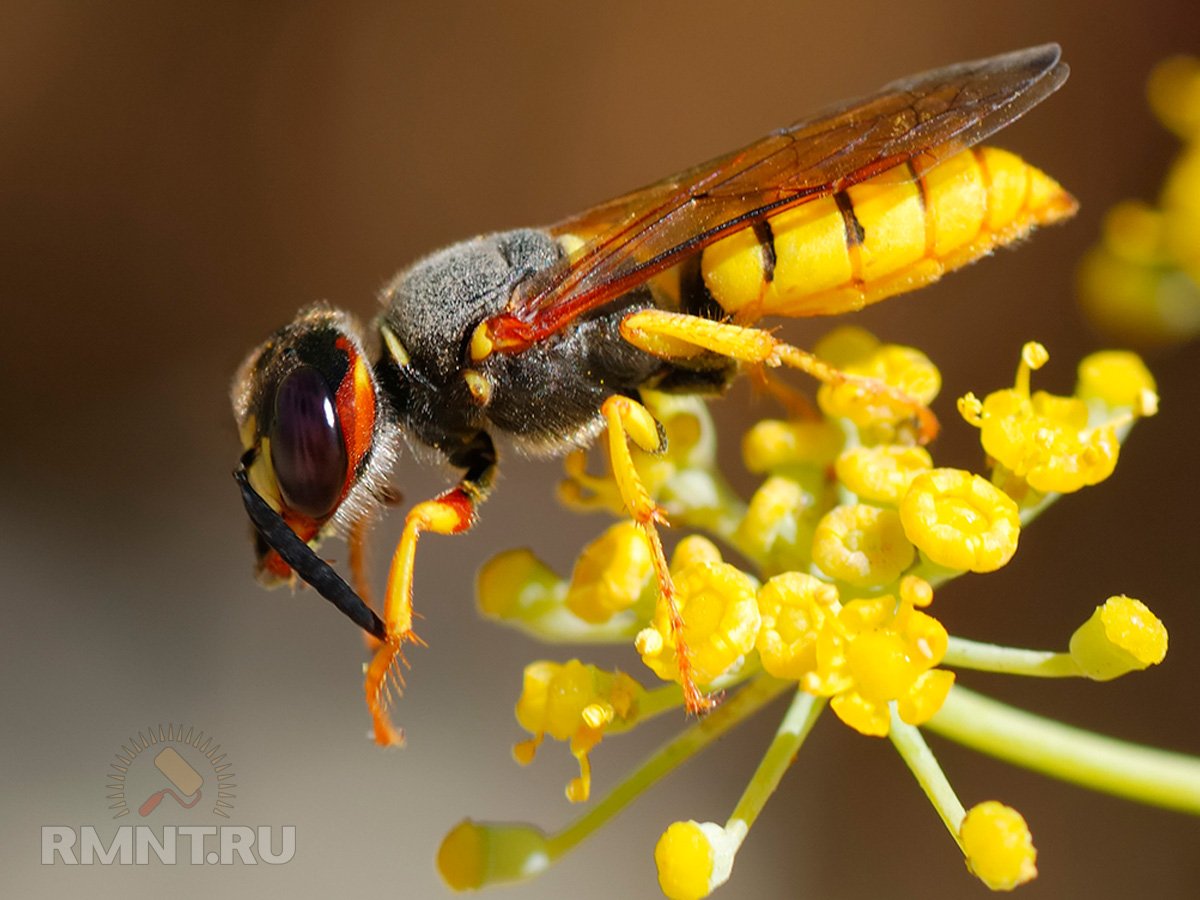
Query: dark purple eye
[[307, 448]]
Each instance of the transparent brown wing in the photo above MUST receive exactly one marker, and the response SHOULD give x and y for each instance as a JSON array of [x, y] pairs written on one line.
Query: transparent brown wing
[[919, 120]]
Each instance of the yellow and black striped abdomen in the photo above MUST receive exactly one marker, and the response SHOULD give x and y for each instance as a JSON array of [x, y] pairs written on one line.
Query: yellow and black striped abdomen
[[890, 234]]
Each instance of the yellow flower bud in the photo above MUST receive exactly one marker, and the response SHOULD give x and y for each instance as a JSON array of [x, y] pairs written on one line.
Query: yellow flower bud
[[511, 582], [771, 444], [693, 859], [998, 846], [479, 854], [1115, 377], [1121, 636], [610, 574]]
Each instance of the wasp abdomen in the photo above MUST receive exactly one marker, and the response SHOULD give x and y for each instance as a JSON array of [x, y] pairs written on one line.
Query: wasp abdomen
[[890, 234]]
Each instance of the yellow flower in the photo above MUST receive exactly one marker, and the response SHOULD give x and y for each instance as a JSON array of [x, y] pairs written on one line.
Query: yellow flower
[[794, 608], [862, 545], [511, 583], [1121, 636], [690, 444], [1116, 378], [610, 574], [882, 474], [877, 651], [1174, 93], [855, 352], [718, 604], [1043, 440], [778, 525], [960, 521], [998, 846], [771, 445], [577, 703]]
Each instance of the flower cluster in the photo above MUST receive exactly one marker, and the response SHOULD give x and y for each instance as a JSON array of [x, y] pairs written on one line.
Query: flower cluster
[[1142, 281], [824, 590]]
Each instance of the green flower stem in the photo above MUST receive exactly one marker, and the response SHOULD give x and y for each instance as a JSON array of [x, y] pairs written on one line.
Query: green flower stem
[[1144, 774], [757, 694], [796, 724], [924, 766], [964, 654]]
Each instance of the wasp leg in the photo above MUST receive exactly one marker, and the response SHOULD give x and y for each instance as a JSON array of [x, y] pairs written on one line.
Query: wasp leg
[[357, 542], [451, 513], [676, 335], [794, 402], [628, 420]]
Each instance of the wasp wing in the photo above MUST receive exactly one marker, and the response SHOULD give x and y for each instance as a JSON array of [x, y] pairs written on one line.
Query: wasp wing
[[919, 120]]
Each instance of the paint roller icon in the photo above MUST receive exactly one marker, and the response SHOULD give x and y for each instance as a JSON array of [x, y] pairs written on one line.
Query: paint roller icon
[[181, 775]]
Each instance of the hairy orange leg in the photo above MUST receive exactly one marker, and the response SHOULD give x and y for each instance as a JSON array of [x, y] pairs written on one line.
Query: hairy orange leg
[[627, 421], [451, 513], [671, 335], [357, 542]]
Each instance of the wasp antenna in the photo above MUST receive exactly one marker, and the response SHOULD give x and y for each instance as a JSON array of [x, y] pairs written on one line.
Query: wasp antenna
[[297, 554]]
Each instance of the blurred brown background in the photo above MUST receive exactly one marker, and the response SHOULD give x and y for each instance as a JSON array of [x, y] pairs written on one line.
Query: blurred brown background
[[176, 179]]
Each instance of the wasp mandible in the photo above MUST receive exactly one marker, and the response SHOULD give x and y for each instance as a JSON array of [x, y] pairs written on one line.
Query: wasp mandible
[[546, 336]]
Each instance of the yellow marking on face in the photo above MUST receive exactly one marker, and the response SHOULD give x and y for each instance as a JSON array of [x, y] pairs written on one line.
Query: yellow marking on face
[[395, 348], [481, 343], [479, 385], [261, 475]]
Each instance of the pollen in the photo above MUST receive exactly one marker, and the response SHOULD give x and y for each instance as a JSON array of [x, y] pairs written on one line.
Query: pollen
[[998, 846], [611, 574], [1121, 636], [961, 521], [719, 607], [862, 545]]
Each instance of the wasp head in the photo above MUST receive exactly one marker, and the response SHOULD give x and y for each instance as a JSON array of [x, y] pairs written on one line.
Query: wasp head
[[317, 436]]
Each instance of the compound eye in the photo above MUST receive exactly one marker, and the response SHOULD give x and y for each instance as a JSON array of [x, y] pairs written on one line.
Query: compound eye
[[307, 447]]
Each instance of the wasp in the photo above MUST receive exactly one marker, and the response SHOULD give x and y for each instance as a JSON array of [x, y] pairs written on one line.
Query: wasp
[[545, 337]]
